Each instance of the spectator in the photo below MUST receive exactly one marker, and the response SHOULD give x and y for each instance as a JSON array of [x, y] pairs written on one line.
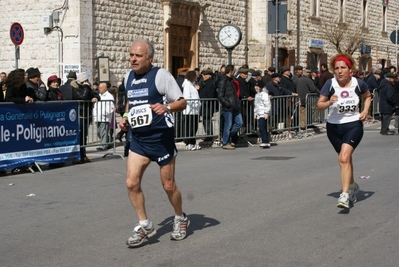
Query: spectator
[[192, 111], [179, 126], [314, 75], [298, 74], [66, 89], [279, 107], [54, 93], [387, 102], [304, 86], [35, 83], [325, 75], [121, 106], [17, 91], [3, 92], [113, 124], [246, 94], [286, 81], [82, 91], [396, 86], [95, 86], [230, 102], [261, 113], [268, 75], [102, 115], [209, 106], [3, 76]]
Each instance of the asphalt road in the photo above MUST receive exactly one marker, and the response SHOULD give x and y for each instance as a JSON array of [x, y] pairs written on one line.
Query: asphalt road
[[248, 207]]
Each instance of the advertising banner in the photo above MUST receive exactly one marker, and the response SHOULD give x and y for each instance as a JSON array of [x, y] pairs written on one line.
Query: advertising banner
[[40, 132]]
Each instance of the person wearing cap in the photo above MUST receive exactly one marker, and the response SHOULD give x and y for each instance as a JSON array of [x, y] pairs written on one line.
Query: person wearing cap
[[208, 92], [341, 97], [304, 86], [374, 80], [153, 95], [247, 96], [54, 93], [66, 88], [286, 80], [387, 102], [35, 83], [81, 90], [279, 106], [314, 75], [298, 73]]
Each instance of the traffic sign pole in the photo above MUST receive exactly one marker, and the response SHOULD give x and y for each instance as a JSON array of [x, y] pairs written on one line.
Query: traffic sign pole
[[17, 37]]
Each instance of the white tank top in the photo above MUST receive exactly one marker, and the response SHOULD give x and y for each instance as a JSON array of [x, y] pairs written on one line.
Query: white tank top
[[346, 109]]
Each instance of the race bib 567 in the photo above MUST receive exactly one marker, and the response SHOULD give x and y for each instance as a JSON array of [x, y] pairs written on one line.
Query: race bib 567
[[140, 116]]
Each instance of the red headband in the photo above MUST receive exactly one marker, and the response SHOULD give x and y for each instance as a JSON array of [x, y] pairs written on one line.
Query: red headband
[[344, 59]]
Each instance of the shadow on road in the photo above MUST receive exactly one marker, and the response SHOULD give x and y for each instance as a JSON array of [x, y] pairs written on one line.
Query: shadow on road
[[197, 222]]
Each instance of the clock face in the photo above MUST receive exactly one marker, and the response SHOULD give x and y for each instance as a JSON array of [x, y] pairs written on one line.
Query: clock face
[[229, 36]]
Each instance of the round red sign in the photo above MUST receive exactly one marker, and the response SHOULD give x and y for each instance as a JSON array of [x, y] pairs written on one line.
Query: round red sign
[[16, 33]]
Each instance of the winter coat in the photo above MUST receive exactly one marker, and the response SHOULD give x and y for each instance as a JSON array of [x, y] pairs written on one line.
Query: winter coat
[[227, 94], [305, 86], [387, 97], [41, 92], [17, 95], [84, 92], [190, 93]]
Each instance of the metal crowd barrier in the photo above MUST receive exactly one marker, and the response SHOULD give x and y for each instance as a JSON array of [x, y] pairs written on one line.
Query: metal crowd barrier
[[375, 105], [91, 117]]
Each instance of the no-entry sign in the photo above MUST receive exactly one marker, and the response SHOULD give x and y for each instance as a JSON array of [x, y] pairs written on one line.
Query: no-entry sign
[[16, 33]]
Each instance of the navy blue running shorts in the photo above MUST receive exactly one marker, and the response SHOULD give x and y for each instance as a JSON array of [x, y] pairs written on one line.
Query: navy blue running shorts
[[157, 145], [350, 133]]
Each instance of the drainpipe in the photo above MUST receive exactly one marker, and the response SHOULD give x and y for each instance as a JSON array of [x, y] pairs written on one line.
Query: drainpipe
[[298, 29], [246, 32]]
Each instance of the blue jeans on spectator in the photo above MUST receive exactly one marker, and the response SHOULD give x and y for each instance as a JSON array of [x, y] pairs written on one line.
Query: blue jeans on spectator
[[232, 123]]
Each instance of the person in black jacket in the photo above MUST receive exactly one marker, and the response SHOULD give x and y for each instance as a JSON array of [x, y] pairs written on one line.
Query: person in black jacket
[[82, 91], [230, 107], [396, 86], [17, 91], [36, 84], [279, 106], [387, 102], [66, 88], [54, 93], [207, 92]]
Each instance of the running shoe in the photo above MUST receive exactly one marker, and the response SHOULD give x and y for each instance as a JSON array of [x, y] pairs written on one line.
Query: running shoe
[[190, 147], [139, 235], [353, 190], [179, 228], [343, 201], [197, 147]]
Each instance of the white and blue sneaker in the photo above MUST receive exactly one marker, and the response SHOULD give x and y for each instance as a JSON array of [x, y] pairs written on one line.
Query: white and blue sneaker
[[343, 201]]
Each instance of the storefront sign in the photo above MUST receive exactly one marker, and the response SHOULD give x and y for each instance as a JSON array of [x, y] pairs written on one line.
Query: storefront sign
[[315, 43]]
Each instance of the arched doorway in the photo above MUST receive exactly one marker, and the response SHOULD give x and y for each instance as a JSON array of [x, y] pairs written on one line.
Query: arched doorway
[[181, 27]]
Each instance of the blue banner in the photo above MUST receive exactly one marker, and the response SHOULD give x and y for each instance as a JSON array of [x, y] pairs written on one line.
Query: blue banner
[[40, 132]]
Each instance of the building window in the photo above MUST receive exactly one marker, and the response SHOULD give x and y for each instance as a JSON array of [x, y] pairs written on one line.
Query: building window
[[314, 8], [364, 13], [384, 18]]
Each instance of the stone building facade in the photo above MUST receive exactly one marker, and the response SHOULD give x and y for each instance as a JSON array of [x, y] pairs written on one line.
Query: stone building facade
[[95, 35]]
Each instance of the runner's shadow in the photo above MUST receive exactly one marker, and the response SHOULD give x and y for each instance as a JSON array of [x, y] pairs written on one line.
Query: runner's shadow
[[197, 222], [362, 195]]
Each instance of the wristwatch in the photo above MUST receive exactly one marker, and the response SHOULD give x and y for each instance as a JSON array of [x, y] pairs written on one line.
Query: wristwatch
[[168, 107]]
